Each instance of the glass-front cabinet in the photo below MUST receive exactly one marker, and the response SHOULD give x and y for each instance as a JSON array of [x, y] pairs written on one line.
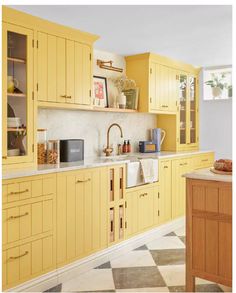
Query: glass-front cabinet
[[188, 108], [17, 95]]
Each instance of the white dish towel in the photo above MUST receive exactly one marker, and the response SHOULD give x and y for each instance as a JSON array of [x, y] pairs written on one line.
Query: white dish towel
[[147, 167]]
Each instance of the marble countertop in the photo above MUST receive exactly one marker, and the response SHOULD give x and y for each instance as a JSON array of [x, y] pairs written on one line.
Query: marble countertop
[[206, 174], [92, 162]]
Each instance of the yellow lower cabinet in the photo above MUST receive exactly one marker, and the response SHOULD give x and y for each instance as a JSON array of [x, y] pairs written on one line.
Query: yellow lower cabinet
[[81, 213], [204, 160], [26, 261], [179, 167], [165, 191], [139, 213]]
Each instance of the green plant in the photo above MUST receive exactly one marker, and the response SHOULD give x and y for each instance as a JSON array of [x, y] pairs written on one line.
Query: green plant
[[218, 80]]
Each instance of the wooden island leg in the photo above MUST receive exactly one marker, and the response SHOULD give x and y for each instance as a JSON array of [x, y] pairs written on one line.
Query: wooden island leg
[[190, 282]]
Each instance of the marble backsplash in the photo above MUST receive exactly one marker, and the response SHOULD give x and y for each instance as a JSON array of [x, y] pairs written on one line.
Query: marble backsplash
[[92, 127]]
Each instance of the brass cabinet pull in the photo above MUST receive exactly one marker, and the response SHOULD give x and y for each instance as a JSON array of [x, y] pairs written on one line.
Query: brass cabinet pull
[[83, 181], [143, 194], [18, 192], [164, 106], [181, 164], [4, 157], [205, 160], [68, 97], [19, 216], [19, 256], [63, 96], [165, 167]]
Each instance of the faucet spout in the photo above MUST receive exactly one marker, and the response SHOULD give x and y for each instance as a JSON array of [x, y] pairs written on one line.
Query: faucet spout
[[108, 150]]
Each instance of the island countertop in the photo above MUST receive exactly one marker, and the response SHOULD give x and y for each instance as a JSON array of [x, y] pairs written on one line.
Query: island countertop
[[206, 174]]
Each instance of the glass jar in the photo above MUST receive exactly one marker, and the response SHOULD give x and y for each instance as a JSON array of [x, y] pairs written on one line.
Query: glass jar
[[53, 152], [41, 145]]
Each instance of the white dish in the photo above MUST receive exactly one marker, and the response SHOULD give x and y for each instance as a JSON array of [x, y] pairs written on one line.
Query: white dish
[[13, 122], [13, 152]]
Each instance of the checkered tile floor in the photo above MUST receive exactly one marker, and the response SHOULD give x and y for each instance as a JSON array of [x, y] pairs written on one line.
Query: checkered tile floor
[[157, 266]]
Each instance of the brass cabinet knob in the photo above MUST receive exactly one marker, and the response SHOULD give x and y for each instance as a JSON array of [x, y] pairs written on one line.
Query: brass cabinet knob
[[4, 157], [68, 97], [63, 96]]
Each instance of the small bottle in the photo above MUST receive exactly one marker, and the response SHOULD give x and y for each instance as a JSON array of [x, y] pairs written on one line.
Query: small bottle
[[128, 147], [125, 147]]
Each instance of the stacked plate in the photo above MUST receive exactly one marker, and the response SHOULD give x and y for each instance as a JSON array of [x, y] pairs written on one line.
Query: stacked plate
[[13, 122]]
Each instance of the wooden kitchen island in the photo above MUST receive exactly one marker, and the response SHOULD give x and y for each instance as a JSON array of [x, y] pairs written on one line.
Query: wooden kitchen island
[[208, 228]]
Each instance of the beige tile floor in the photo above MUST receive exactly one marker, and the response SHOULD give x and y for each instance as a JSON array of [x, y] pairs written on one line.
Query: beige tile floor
[[157, 266]]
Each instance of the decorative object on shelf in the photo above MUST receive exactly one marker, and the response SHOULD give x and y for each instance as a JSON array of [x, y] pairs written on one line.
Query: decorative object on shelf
[[100, 91], [102, 64], [122, 101], [217, 83], [12, 83], [129, 89]]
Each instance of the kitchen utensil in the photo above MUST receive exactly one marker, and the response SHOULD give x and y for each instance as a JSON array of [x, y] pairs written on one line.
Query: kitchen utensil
[[11, 83], [158, 136], [13, 122], [13, 152]]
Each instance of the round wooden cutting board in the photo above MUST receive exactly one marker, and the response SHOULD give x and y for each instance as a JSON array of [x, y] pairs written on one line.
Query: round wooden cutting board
[[213, 170]]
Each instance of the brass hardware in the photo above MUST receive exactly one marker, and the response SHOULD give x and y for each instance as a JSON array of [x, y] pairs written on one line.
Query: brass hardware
[[102, 65], [18, 192], [150, 70], [150, 100], [205, 160], [37, 87], [165, 167], [4, 157], [90, 93], [158, 213], [32, 148], [125, 225], [19, 256], [68, 97], [90, 56], [158, 194], [19, 216], [83, 181], [143, 194], [185, 164], [126, 204], [108, 150], [33, 43], [164, 106], [37, 44], [32, 95], [63, 96], [181, 164]]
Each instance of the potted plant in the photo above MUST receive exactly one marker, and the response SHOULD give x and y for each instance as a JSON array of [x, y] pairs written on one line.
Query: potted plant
[[217, 84]]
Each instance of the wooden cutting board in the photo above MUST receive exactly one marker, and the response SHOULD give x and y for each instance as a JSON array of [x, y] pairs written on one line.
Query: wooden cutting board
[[213, 170]]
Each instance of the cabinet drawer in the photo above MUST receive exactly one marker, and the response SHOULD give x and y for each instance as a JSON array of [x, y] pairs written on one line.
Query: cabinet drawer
[[28, 260], [204, 161], [22, 189], [21, 222]]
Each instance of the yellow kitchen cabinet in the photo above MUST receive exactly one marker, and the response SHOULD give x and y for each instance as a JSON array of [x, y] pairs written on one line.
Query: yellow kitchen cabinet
[[157, 79], [116, 203], [28, 228], [139, 211], [182, 129], [82, 198], [165, 191], [64, 70], [204, 160], [17, 96], [179, 167]]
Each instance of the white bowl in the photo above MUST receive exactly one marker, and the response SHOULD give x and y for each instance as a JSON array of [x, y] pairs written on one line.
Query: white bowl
[[13, 152], [13, 122]]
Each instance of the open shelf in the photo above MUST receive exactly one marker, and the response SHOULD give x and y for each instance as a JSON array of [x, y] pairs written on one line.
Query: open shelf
[[16, 60], [16, 95], [13, 129], [114, 110]]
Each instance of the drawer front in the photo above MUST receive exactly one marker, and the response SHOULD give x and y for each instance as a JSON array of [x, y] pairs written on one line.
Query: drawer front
[[22, 189], [204, 161], [28, 220], [26, 261]]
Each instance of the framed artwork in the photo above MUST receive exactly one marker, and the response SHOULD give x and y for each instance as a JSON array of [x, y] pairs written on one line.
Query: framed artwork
[[217, 83], [100, 91]]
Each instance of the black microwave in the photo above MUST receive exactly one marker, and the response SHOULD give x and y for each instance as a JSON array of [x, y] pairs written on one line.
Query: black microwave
[[71, 150]]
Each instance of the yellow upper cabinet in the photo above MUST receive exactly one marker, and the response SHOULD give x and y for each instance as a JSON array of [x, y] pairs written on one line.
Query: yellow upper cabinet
[[157, 78], [17, 95]]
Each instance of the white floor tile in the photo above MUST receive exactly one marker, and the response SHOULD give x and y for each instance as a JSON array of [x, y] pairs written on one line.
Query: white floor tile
[[170, 242], [154, 289], [173, 275], [137, 258], [181, 231], [91, 281], [199, 281]]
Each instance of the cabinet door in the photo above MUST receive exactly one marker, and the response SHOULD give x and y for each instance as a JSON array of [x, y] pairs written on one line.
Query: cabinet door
[[183, 105], [153, 100], [165, 191], [61, 70], [131, 214], [145, 209], [87, 63], [70, 71], [192, 126], [17, 94]]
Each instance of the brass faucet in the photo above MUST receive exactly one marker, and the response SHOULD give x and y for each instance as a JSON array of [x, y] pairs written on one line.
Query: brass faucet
[[108, 150]]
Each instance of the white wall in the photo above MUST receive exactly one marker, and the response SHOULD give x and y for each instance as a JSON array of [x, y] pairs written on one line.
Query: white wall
[[216, 126], [92, 126]]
